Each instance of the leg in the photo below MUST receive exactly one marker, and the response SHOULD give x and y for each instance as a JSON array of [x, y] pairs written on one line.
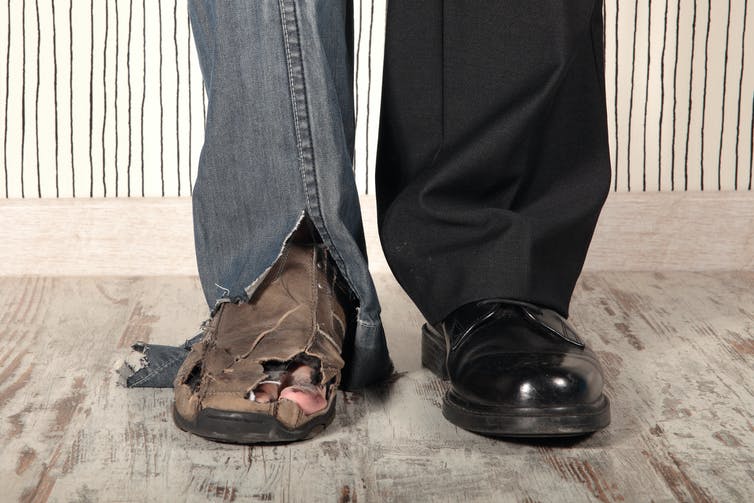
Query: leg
[[493, 161], [493, 166], [277, 225], [278, 147], [278, 144]]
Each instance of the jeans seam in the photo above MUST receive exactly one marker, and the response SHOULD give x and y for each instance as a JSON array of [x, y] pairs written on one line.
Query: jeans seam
[[294, 103], [155, 371], [367, 324], [301, 122]]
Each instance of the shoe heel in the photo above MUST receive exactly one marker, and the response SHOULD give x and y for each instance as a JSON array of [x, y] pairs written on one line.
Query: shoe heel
[[433, 353]]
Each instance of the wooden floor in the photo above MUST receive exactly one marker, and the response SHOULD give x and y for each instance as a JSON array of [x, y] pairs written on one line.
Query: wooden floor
[[678, 349]]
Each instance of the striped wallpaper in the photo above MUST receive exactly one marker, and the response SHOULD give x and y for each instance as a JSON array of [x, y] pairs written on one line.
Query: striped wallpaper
[[98, 99]]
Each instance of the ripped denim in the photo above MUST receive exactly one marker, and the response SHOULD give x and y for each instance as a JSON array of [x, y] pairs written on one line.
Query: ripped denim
[[159, 364]]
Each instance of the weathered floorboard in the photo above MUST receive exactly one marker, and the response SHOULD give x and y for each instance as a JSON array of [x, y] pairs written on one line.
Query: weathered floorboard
[[678, 349]]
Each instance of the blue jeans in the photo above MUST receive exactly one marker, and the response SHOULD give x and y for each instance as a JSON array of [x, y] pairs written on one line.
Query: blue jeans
[[278, 146]]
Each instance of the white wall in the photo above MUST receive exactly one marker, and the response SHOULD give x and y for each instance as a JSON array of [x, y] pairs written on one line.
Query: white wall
[[97, 99]]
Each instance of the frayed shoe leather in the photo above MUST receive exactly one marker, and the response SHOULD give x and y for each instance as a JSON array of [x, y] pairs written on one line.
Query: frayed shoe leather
[[516, 370], [294, 318]]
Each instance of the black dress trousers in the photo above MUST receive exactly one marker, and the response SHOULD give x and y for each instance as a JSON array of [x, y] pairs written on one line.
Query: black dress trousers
[[493, 159]]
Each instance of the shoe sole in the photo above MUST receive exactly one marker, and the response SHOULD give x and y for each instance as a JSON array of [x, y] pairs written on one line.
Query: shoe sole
[[250, 428], [504, 421]]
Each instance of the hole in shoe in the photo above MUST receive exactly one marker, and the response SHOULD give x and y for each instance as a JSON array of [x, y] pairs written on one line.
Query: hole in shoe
[[194, 377], [301, 386], [268, 390], [265, 392], [298, 380]]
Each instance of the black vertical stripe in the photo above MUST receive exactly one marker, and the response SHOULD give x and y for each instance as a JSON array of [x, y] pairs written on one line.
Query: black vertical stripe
[[662, 94], [177, 97], [725, 89], [7, 100], [23, 94], [369, 99], [190, 101], [740, 96], [162, 108], [704, 92], [691, 101], [36, 104], [675, 94], [55, 84], [70, 95], [115, 120], [631, 98], [615, 102], [128, 75], [143, 84], [91, 99], [646, 97], [104, 97]]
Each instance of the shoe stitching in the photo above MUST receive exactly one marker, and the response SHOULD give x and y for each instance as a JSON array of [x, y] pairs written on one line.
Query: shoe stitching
[[156, 370]]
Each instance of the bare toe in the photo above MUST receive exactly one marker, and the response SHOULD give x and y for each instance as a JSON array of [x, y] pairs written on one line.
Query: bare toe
[[299, 387], [309, 398], [266, 392]]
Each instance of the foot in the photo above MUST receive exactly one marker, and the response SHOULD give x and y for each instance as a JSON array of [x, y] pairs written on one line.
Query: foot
[[516, 369], [296, 384], [268, 370]]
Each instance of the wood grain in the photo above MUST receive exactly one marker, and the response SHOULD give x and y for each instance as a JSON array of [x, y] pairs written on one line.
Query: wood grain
[[676, 347]]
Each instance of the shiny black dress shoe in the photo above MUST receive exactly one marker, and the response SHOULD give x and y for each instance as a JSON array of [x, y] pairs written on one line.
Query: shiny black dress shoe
[[515, 370]]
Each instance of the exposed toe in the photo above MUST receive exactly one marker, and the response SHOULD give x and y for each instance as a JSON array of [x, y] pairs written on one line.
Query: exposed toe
[[265, 392], [299, 387], [309, 398]]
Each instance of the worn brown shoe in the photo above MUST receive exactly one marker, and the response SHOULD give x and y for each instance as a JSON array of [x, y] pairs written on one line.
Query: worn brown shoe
[[268, 369]]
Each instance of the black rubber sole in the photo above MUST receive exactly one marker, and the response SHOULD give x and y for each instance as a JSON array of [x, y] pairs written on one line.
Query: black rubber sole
[[502, 421], [250, 428]]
